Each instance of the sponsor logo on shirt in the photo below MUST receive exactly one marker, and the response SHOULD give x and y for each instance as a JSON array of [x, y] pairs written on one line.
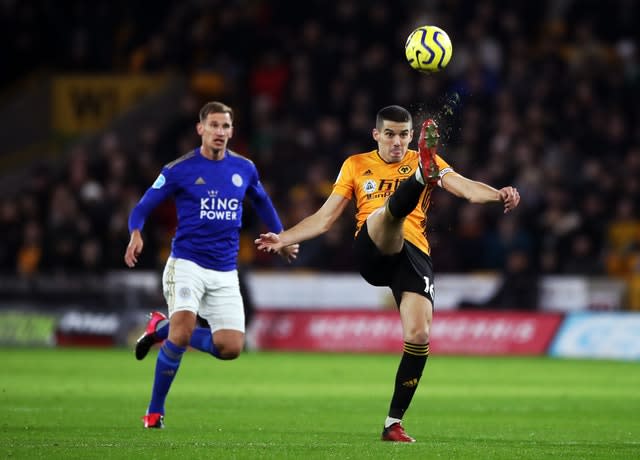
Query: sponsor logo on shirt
[[385, 188], [214, 207]]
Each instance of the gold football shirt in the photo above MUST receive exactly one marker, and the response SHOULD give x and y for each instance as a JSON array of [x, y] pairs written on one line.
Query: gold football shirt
[[371, 180]]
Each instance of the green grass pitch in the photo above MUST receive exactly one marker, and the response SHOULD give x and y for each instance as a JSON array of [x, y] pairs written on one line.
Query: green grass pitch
[[86, 404]]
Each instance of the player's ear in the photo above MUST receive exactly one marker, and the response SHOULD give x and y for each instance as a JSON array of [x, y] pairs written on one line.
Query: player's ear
[[375, 134], [230, 132], [200, 129]]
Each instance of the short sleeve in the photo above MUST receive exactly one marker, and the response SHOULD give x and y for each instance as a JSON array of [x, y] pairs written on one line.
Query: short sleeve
[[344, 182]]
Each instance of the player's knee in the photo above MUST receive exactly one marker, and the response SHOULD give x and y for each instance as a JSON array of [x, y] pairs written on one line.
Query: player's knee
[[229, 351], [180, 335], [417, 335]]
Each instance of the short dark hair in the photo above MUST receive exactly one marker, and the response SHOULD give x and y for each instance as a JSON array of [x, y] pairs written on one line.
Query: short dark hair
[[214, 107], [393, 113]]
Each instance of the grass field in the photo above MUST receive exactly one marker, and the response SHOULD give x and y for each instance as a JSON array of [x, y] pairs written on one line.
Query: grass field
[[84, 404]]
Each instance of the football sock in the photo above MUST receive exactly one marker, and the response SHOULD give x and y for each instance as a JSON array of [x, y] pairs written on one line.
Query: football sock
[[201, 339], [390, 421], [409, 372], [162, 329], [405, 198], [167, 366]]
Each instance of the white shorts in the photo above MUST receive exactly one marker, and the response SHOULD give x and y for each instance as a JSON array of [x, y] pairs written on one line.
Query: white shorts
[[212, 294]]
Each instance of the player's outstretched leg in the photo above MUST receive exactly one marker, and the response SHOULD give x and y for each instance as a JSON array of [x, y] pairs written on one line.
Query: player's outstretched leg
[[157, 330]]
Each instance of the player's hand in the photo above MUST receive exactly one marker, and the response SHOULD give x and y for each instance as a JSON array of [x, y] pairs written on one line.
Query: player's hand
[[269, 242], [510, 197], [134, 248], [289, 253]]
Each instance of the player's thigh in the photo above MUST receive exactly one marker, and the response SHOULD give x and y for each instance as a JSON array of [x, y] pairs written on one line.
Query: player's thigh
[[222, 304], [413, 288], [183, 284], [385, 231], [375, 267], [413, 273]]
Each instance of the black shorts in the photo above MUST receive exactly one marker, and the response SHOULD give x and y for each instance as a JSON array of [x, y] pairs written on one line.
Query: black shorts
[[410, 270]]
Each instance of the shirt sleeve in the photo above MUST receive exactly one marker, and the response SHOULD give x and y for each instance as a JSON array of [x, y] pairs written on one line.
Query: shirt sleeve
[[344, 182], [160, 190], [263, 205]]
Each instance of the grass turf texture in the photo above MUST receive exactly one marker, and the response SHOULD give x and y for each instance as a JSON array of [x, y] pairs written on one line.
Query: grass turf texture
[[67, 403]]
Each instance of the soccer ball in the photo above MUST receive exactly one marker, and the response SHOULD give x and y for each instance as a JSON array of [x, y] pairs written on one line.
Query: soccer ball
[[428, 49]]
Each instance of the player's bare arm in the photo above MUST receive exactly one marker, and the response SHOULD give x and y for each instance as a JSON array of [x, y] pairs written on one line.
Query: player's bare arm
[[134, 248], [479, 192], [309, 227]]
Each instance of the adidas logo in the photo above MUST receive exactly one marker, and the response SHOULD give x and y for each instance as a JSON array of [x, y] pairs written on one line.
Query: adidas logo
[[367, 173], [410, 383], [200, 181]]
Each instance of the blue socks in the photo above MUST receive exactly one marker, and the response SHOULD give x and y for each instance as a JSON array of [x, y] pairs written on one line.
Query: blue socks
[[163, 332], [169, 359], [200, 339], [166, 368]]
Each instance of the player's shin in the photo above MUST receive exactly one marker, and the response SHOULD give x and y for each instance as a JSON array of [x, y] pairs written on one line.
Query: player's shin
[[167, 366], [408, 376]]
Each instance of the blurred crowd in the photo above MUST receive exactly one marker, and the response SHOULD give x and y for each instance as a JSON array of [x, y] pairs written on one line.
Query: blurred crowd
[[543, 95]]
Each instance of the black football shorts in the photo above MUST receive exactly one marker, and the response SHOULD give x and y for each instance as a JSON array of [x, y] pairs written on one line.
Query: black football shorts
[[410, 270]]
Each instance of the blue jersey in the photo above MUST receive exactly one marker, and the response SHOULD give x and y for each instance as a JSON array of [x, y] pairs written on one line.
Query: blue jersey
[[208, 195]]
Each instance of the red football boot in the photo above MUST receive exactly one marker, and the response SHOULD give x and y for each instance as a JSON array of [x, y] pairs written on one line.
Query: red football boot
[[146, 340], [153, 420], [396, 433], [427, 149]]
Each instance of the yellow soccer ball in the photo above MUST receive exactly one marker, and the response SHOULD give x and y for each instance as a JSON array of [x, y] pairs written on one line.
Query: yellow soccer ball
[[428, 49]]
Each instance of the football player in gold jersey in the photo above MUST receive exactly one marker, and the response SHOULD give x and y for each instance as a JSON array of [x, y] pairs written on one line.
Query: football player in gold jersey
[[392, 188]]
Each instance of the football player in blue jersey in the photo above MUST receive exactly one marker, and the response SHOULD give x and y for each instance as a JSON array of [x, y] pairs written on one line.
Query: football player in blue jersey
[[209, 185]]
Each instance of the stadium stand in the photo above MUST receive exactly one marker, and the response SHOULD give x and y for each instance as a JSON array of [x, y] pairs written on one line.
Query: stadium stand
[[549, 91]]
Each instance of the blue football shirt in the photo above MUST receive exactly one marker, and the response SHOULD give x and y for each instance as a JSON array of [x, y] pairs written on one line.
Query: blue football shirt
[[208, 195]]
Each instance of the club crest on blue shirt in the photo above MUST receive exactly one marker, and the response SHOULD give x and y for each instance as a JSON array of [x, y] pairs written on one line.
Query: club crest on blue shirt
[[160, 181], [237, 180]]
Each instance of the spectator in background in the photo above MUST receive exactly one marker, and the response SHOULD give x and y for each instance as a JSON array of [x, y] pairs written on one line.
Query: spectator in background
[[11, 230], [549, 91], [623, 239], [518, 286]]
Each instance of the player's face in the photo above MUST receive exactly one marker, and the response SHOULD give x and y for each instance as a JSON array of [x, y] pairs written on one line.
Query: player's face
[[216, 131], [393, 140]]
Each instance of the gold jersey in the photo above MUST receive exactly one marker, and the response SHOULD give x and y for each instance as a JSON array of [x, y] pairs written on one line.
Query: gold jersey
[[371, 180]]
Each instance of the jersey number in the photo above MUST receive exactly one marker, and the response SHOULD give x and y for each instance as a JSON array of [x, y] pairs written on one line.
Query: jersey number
[[428, 286]]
